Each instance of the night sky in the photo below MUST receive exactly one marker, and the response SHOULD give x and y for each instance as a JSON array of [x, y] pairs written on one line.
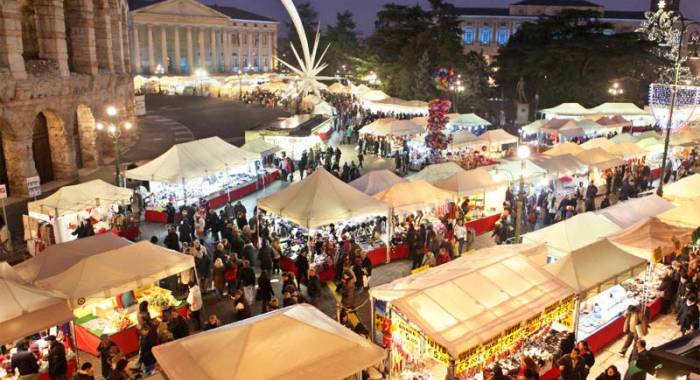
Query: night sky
[[365, 10]]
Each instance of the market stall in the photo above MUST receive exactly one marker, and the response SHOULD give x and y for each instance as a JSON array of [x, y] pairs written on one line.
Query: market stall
[[562, 131], [512, 170], [265, 149], [55, 218], [629, 212], [498, 142], [470, 122], [437, 172], [604, 291], [397, 106], [651, 239], [208, 169], [565, 148], [566, 110], [321, 347], [687, 214], [472, 312], [566, 236], [322, 205], [627, 150], [599, 142], [99, 277], [599, 159], [687, 188], [376, 181]]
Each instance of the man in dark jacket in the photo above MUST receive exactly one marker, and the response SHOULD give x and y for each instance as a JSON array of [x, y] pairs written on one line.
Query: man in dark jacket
[[58, 365], [249, 251], [146, 343], [689, 315], [302, 267], [265, 256], [572, 366], [177, 325], [24, 360], [669, 287]]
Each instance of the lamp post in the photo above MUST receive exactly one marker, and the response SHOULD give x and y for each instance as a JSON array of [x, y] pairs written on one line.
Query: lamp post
[[523, 154], [615, 90], [114, 130], [457, 89], [199, 75], [240, 86]]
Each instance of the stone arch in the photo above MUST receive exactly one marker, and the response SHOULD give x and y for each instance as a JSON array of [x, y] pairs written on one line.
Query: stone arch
[[5, 132], [49, 136], [30, 36], [103, 35], [85, 137]]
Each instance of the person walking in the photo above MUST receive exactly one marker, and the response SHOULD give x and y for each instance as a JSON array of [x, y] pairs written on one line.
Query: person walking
[[147, 341], [246, 279], [265, 256], [572, 366], [194, 299], [24, 362], [634, 328], [689, 315], [106, 350], [58, 365], [265, 291], [241, 306]]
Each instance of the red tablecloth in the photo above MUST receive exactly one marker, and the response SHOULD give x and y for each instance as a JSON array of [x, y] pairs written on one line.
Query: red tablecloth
[[484, 224], [552, 374], [288, 265], [378, 255], [132, 234], [155, 216], [613, 330], [72, 367], [127, 340]]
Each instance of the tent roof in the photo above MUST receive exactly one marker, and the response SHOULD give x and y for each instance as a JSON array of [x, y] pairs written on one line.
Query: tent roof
[[103, 273], [567, 236], [194, 159], [321, 199], [411, 196], [621, 137], [565, 148], [514, 168], [373, 95], [498, 136], [590, 125], [260, 146], [610, 109], [376, 181], [473, 298], [251, 349], [81, 197], [565, 163], [628, 212], [533, 127], [469, 182], [599, 158], [599, 142], [463, 138], [467, 119], [581, 268], [644, 237], [569, 109], [25, 309], [687, 188], [437, 172], [339, 88], [393, 127], [686, 214], [626, 150]]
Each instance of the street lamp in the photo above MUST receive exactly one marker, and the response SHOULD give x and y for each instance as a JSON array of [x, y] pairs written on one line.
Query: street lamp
[[114, 130], [240, 85], [372, 78], [615, 90], [523, 154], [457, 89], [200, 74]]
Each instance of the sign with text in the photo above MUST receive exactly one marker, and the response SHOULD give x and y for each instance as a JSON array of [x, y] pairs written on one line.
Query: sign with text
[[3, 192], [34, 186]]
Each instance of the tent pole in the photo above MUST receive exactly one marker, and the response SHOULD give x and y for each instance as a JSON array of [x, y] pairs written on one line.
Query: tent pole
[[228, 189], [577, 312], [389, 228], [184, 191]]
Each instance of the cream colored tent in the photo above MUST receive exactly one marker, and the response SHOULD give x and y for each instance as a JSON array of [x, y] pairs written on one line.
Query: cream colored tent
[[104, 273], [565, 148], [399, 105], [373, 95], [461, 139], [437, 172], [650, 238], [194, 159], [567, 109], [582, 269], [561, 164], [80, 197], [651, 144], [599, 142], [622, 137], [470, 182], [627, 213], [339, 88], [471, 299], [392, 127], [498, 137], [533, 127], [685, 189], [376, 181], [622, 109], [413, 196], [25, 310], [568, 128], [599, 159], [261, 147], [511, 171], [573, 233], [321, 199], [314, 345], [626, 150], [468, 120], [687, 214]]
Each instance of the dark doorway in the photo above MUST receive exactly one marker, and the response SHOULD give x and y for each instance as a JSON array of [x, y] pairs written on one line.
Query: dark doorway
[[42, 149], [3, 167], [76, 143]]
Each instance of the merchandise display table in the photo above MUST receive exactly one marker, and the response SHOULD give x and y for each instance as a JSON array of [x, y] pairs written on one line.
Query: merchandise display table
[[288, 265], [378, 255], [133, 233], [613, 329], [483, 225]]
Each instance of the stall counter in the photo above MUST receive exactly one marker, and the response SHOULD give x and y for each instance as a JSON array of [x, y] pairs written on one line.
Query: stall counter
[[483, 225], [613, 329], [378, 255]]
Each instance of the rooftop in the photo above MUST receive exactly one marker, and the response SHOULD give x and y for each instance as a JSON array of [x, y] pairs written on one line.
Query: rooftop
[[559, 3], [482, 11], [231, 12]]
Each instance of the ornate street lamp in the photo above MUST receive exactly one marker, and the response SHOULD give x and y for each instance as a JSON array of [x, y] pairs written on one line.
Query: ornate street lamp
[[114, 130], [615, 90]]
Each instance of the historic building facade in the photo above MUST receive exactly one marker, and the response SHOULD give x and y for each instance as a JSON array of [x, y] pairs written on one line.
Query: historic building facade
[[181, 36], [62, 63], [484, 30]]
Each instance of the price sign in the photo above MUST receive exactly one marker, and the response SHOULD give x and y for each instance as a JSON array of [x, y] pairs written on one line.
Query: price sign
[[34, 186]]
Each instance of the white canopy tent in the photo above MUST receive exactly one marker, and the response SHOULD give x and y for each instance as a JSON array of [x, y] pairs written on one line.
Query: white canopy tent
[[251, 349], [627, 150], [687, 214], [599, 142], [619, 109], [561, 164], [373, 95], [568, 235], [261, 147], [498, 137], [76, 198], [565, 148], [321, 199], [599, 159], [566, 109], [462, 139], [466, 120], [512, 170], [376, 181], [534, 127], [437, 172], [25, 310], [627, 213], [95, 273], [413, 196], [500, 285], [470, 182], [413, 107], [687, 188], [650, 238], [393, 127], [194, 159]]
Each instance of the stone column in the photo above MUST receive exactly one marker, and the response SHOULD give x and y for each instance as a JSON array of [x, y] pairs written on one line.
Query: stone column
[[80, 21], [117, 41], [260, 58], [103, 36], [11, 39], [51, 33], [177, 49], [270, 60], [137, 50], [214, 57], [20, 163], [164, 47], [274, 50], [151, 53], [190, 55], [126, 47], [227, 50], [202, 56], [239, 43], [250, 48]]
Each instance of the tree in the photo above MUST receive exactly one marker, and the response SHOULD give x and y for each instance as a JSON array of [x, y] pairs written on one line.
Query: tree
[[344, 44], [423, 88], [475, 79], [573, 57]]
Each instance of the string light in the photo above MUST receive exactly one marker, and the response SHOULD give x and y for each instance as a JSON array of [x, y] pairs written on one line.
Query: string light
[[687, 100]]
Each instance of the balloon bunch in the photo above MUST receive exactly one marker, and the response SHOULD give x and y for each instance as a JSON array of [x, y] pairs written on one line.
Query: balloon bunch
[[444, 77], [436, 139]]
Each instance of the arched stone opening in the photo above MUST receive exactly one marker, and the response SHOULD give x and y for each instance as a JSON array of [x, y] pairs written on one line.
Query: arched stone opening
[[41, 149], [4, 126], [30, 37], [85, 138], [53, 153]]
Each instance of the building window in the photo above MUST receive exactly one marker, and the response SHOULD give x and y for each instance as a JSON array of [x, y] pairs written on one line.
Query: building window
[[485, 35], [502, 36], [468, 35]]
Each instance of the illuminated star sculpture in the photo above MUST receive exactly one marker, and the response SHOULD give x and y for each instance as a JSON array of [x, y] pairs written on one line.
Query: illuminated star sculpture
[[309, 67]]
